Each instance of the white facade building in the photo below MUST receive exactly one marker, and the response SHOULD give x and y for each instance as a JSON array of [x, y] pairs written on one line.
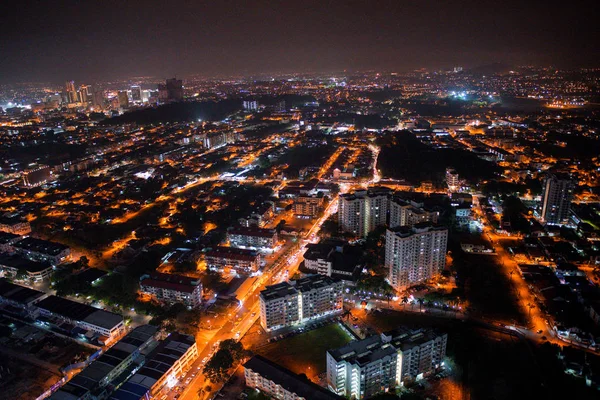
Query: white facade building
[[295, 302], [362, 211], [415, 254]]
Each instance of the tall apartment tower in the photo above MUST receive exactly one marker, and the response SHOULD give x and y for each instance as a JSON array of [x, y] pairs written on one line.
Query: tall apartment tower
[[295, 302], [556, 199], [123, 99], [136, 94], [376, 364], [409, 213], [362, 211], [171, 90], [413, 255], [452, 180]]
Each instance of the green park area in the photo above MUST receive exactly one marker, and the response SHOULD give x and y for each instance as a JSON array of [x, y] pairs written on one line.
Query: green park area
[[306, 353]]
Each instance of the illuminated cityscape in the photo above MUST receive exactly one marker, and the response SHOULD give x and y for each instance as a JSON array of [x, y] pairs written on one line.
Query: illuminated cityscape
[[299, 201]]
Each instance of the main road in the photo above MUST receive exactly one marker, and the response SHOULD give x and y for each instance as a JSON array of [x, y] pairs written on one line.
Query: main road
[[245, 315]]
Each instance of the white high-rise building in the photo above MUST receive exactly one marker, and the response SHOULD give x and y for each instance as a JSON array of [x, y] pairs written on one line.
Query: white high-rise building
[[362, 211], [403, 213], [250, 105], [452, 180], [363, 368], [415, 254], [295, 302]]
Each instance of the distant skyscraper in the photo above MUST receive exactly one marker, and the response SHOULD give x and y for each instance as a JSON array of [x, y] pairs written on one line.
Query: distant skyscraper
[[71, 92], [172, 90], [97, 98], [556, 199], [123, 99], [250, 105], [415, 254], [84, 94], [136, 94]]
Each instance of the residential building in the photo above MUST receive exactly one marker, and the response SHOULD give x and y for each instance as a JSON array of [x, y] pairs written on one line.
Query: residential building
[[252, 237], [362, 211], [556, 199], [242, 260], [452, 180], [171, 288], [15, 265], [43, 250], [409, 213], [415, 254], [97, 379], [103, 325], [420, 351], [363, 368], [168, 362], [279, 306], [307, 206], [280, 383], [14, 224], [295, 302], [333, 257]]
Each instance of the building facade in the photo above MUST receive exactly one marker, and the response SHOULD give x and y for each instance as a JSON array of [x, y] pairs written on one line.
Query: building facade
[[556, 199], [252, 237], [376, 364], [296, 302], [362, 211], [171, 288], [403, 213], [413, 255], [280, 383], [242, 260]]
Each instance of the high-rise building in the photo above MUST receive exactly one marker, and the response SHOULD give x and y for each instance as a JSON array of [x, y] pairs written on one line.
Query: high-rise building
[[376, 364], [85, 93], [136, 94], [362, 211], [413, 255], [452, 180], [172, 90], [71, 92], [362, 368], [250, 105], [295, 302], [97, 98], [409, 213], [556, 199], [123, 99]]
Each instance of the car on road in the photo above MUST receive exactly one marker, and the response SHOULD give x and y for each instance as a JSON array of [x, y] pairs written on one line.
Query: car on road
[[539, 332]]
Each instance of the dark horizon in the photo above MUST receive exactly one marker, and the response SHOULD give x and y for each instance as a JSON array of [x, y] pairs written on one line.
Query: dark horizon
[[116, 40]]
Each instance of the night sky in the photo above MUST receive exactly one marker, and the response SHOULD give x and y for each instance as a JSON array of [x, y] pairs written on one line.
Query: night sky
[[91, 40]]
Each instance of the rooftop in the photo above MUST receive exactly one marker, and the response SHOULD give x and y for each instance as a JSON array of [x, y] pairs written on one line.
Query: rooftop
[[179, 283], [19, 294], [288, 380], [41, 246]]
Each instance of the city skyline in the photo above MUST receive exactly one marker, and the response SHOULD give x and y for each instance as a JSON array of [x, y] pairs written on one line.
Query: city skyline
[[117, 40]]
